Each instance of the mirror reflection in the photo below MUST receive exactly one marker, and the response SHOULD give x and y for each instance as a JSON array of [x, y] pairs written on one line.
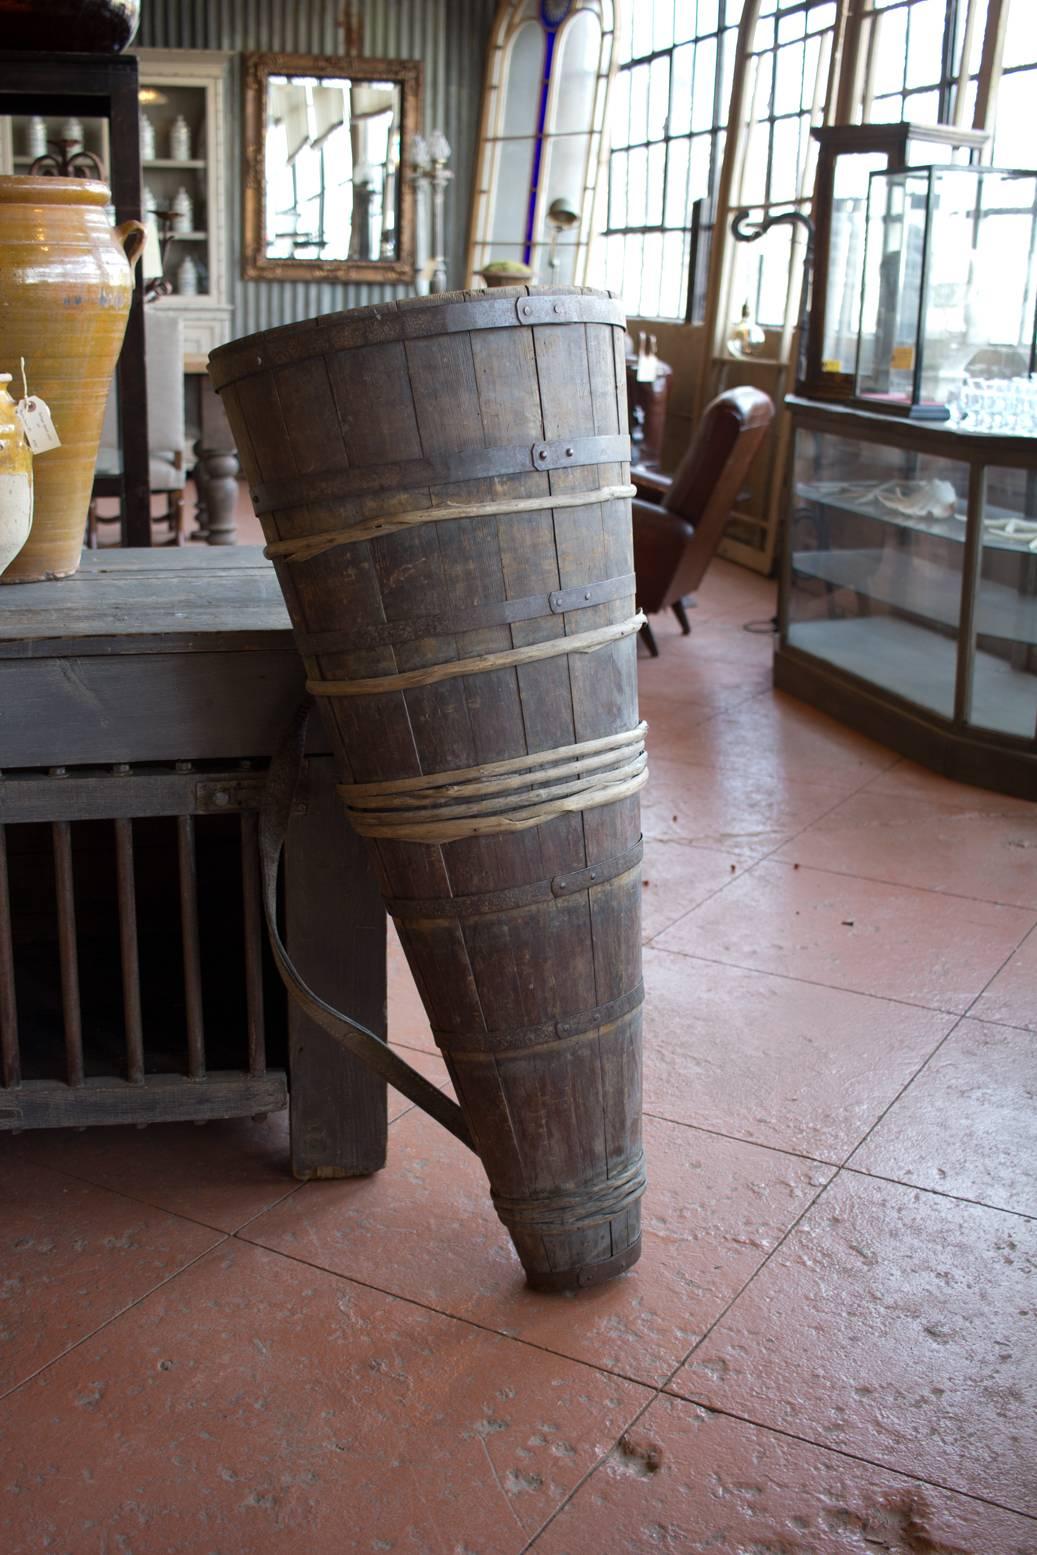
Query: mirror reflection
[[324, 196], [332, 159]]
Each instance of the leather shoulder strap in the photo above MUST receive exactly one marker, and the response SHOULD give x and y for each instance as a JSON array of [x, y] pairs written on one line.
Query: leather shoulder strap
[[281, 785]]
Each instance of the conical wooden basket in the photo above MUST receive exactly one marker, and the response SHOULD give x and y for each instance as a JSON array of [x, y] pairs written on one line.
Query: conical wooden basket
[[443, 485]]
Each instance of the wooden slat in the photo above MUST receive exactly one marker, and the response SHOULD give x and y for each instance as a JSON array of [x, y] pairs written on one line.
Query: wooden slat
[[128, 953], [336, 934], [990, 64], [72, 710], [253, 931], [163, 1098], [64, 885], [192, 959], [9, 1054]]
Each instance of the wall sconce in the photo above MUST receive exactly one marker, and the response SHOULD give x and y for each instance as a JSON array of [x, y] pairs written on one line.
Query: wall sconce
[[428, 161], [561, 217]]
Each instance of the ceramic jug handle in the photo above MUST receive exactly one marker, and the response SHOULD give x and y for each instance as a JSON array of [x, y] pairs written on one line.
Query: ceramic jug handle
[[131, 235]]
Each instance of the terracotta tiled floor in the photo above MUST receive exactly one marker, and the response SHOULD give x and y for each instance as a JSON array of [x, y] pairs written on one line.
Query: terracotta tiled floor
[[829, 1345]]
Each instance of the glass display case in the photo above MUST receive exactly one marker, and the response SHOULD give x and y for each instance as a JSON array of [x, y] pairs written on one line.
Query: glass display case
[[908, 603], [948, 289], [847, 156]]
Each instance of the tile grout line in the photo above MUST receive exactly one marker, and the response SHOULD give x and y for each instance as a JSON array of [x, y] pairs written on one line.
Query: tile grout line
[[763, 859], [843, 1452], [453, 1317], [965, 1015], [845, 1164], [901, 885], [660, 1391], [810, 982], [174, 1214], [936, 1193], [771, 1430], [594, 1468], [115, 1316]]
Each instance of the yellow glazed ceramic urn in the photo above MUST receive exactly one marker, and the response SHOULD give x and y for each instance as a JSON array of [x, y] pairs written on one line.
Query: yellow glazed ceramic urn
[[66, 283], [15, 479]]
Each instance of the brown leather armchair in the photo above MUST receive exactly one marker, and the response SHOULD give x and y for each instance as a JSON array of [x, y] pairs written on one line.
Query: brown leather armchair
[[674, 543]]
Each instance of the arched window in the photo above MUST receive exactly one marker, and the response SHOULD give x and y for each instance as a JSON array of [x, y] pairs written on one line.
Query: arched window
[[547, 78]]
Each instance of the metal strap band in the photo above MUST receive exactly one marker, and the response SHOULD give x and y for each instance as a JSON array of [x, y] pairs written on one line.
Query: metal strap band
[[332, 486], [576, 1209], [488, 903], [535, 607], [508, 658], [501, 1046], [588, 1274], [411, 319]]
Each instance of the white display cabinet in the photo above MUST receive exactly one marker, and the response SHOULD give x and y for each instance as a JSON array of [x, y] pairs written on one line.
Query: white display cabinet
[[191, 84]]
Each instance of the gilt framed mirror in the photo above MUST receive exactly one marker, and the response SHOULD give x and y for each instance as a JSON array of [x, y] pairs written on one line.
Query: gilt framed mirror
[[326, 191]]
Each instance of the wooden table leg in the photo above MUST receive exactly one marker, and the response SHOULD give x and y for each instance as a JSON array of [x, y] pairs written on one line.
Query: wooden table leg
[[220, 477], [201, 486], [219, 468], [336, 933]]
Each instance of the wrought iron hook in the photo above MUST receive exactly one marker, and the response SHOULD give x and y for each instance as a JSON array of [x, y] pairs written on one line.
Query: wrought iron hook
[[744, 230]]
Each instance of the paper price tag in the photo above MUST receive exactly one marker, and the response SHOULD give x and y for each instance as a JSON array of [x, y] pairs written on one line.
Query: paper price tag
[[34, 415]]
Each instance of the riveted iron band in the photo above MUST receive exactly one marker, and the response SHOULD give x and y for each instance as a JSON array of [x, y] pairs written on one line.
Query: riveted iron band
[[525, 1041], [488, 903], [409, 319], [331, 486], [534, 607]]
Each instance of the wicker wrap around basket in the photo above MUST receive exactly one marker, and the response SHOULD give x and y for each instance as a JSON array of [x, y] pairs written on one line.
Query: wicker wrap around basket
[[443, 485]]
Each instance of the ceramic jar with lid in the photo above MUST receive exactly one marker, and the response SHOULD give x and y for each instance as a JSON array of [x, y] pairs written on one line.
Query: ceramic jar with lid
[[180, 140]]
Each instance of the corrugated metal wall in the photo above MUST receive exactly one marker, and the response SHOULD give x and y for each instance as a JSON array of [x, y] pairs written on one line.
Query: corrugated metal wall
[[448, 36]]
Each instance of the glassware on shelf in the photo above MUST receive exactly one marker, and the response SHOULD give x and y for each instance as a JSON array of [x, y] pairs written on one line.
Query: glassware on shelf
[[147, 139], [72, 131], [36, 136], [1006, 405], [183, 211], [745, 337], [180, 140], [187, 278]]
